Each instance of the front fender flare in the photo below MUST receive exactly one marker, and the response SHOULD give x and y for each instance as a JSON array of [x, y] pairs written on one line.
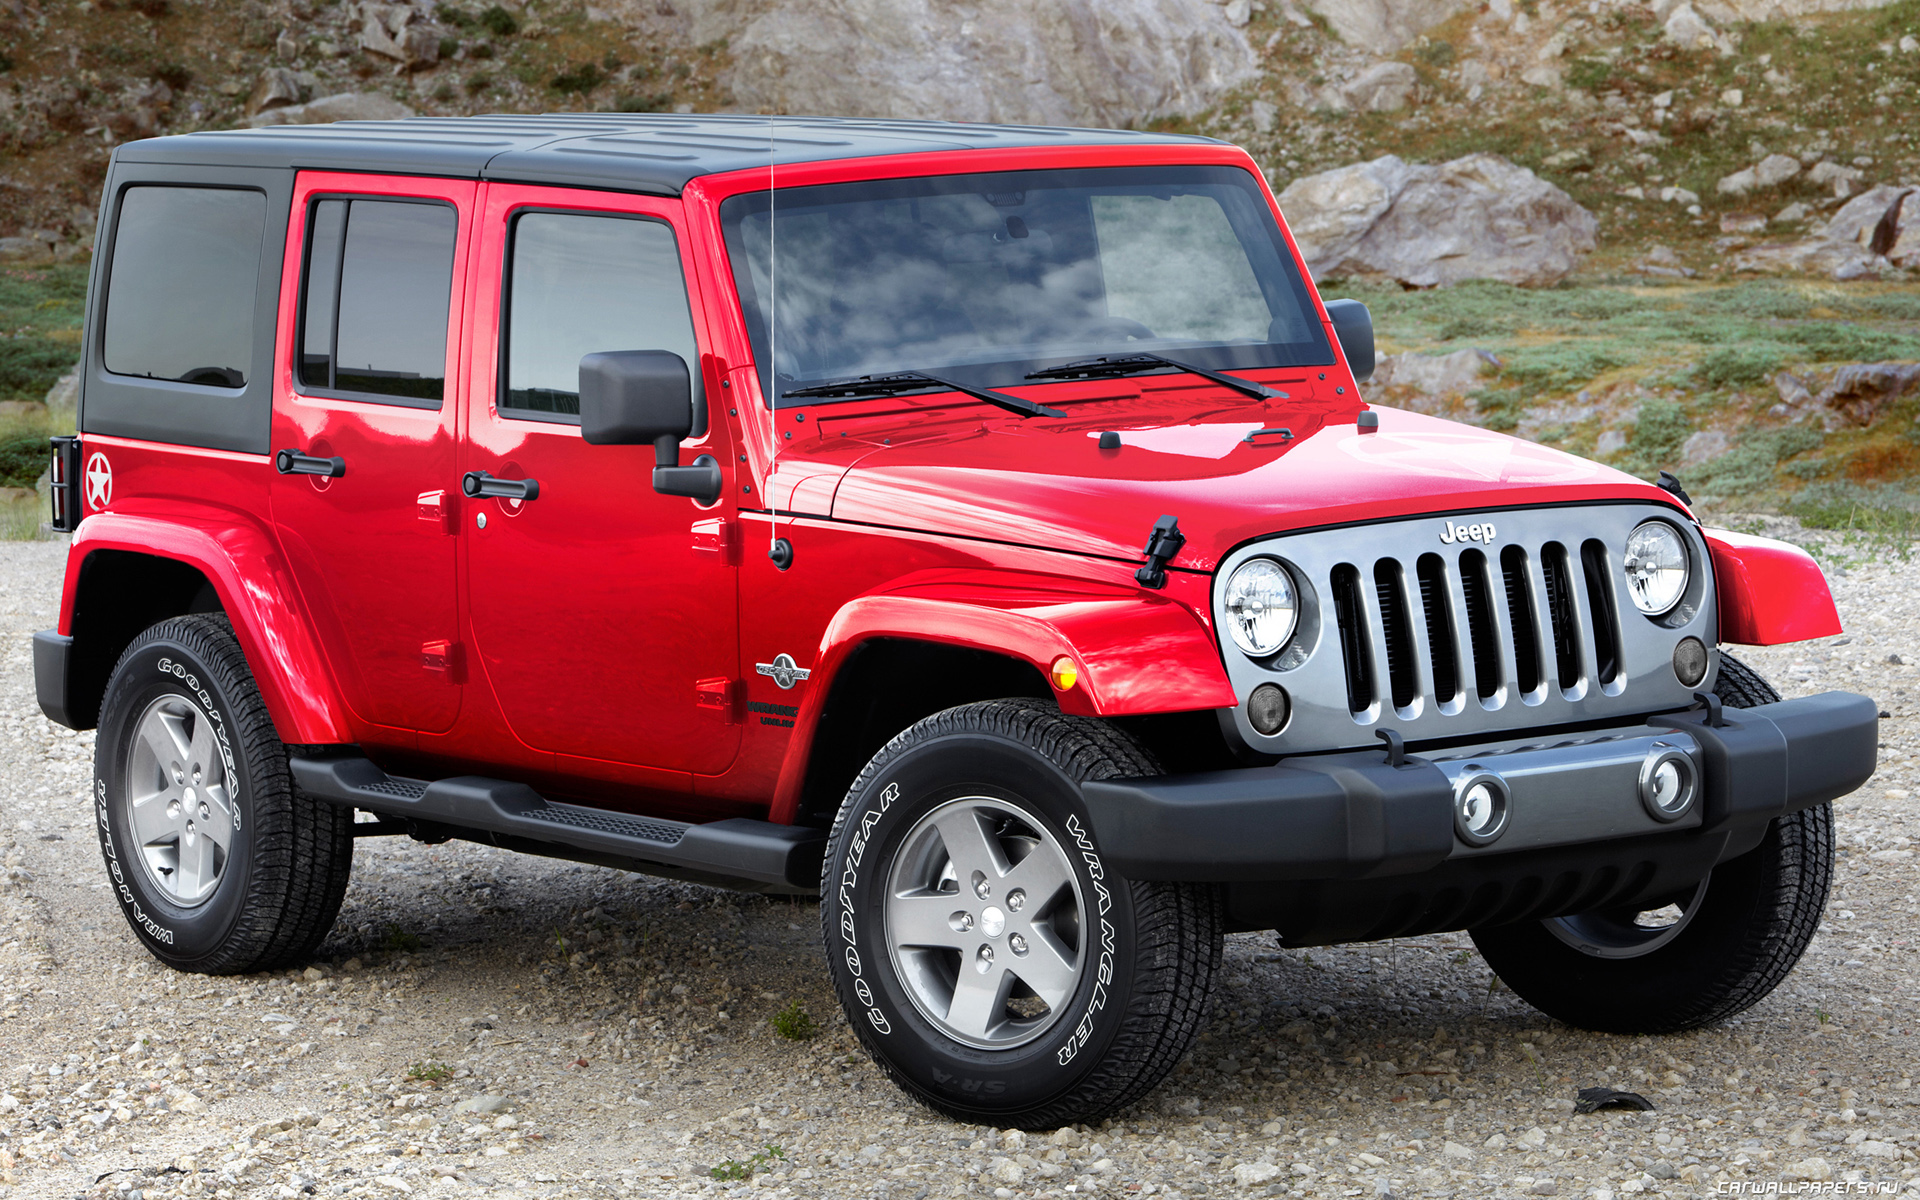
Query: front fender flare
[[1136, 653], [1768, 592], [256, 591]]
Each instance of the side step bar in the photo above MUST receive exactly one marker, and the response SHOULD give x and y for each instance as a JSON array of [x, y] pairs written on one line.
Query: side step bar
[[739, 853]]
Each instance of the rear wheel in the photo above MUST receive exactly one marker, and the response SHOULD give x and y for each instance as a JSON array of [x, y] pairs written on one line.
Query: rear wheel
[[987, 958], [218, 865], [1698, 956]]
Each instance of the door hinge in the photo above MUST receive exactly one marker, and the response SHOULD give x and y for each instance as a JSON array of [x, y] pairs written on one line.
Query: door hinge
[[444, 658], [714, 536], [720, 694], [435, 508]]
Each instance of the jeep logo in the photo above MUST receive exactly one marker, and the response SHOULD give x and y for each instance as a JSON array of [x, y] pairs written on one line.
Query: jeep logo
[[1482, 532]]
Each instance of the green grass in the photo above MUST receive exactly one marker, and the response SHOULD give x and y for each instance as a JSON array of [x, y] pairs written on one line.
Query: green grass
[[429, 1071], [733, 1170], [1660, 361], [41, 312], [794, 1024]]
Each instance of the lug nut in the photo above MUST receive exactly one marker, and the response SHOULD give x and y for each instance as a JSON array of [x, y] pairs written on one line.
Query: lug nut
[[961, 921], [1016, 899], [983, 961], [981, 887], [1017, 944]]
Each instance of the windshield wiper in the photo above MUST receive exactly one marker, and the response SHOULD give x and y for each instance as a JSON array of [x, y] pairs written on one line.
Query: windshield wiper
[[1136, 364], [899, 383]]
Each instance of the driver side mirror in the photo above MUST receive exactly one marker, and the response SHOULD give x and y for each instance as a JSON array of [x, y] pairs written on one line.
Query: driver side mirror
[[632, 397], [1353, 325]]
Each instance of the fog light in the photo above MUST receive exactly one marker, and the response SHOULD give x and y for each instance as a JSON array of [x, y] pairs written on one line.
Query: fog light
[[1690, 661], [1480, 807], [1268, 709], [1668, 783]]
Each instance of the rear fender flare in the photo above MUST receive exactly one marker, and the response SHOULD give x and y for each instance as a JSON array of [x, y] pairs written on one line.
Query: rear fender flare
[[1768, 592], [1134, 653], [256, 591]]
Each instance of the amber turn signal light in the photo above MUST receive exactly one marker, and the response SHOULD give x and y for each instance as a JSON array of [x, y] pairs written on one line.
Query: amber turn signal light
[[1065, 673]]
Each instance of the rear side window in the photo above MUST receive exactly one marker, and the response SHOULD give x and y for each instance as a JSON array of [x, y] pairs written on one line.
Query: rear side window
[[580, 284], [181, 287], [379, 281]]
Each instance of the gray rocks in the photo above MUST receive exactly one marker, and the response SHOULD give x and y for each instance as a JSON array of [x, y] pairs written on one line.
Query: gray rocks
[[1430, 225], [1384, 26], [1689, 30], [1432, 374], [1074, 62], [1382, 87], [278, 87], [1871, 236], [393, 31], [347, 106], [1769, 172], [1856, 395]]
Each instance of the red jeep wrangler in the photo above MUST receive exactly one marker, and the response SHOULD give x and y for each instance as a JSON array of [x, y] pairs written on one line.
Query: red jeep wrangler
[[979, 526]]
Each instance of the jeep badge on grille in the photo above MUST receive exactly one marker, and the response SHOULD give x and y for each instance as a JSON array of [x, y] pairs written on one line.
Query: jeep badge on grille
[[1482, 532]]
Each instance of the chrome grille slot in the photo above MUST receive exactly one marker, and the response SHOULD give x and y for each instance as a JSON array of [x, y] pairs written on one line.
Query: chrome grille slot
[[1529, 626], [1568, 635], [1396, 628], [1514, 567], [1606, 620], [1356, 648], [1487, 674], [1431, 572]]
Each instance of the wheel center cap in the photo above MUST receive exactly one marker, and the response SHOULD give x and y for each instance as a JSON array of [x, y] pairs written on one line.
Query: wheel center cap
[[992, 921]]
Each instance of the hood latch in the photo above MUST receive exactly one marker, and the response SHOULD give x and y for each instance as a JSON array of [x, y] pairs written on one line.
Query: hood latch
[[1162, 544]]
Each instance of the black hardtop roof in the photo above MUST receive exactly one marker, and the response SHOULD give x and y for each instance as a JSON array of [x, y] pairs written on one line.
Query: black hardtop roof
[[655, 153]]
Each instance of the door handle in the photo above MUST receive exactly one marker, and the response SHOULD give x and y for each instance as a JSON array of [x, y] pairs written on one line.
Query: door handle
[[477, 484], [299, 462]]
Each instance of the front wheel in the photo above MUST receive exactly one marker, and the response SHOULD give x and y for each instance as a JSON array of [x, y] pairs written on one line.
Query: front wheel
[[987, 958], [1682, 961]]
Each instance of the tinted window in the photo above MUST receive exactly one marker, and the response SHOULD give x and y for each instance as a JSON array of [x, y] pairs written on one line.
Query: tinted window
[[583, 284], [180, 292], [379, 282], [986, 277]]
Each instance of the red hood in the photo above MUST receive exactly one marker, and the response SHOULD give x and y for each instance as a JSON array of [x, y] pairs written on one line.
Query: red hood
[[971, 472]]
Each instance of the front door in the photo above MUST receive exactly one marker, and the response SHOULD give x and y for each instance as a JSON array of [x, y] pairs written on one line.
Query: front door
[[364, 436], [602, 617]]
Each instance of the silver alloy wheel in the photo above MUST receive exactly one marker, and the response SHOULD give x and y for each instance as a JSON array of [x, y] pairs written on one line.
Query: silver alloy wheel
[[179, 801], [1628, 934], [984, 917]]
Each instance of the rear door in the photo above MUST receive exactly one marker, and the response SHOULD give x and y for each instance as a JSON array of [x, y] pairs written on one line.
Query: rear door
[[370, 338], [603, 613]]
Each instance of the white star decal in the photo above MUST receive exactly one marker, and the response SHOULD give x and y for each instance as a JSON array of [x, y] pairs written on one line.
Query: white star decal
[[99, 481]]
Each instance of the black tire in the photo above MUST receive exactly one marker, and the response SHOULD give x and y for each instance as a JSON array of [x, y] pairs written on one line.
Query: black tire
[[1139, 997], [278, 883], [1746, 931]]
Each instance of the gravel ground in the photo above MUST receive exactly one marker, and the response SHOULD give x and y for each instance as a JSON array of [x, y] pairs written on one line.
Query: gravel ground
[[487, 1024]]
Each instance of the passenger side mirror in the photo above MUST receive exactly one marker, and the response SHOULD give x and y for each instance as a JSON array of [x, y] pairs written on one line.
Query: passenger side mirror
[[632, 397], [1353, 325]]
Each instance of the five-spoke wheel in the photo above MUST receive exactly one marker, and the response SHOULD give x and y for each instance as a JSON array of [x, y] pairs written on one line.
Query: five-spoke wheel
[[983, 917], [179, 800]]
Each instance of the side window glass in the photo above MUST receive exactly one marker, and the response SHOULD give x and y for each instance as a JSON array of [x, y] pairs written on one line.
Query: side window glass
[[579, 284], [175, 242], [374, 308]]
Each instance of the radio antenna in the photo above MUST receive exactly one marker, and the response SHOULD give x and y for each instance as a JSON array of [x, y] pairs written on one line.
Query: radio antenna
[[778, 549]]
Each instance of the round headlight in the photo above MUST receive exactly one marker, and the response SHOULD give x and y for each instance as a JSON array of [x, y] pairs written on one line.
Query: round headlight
[[1656, 563], [1260, 606]]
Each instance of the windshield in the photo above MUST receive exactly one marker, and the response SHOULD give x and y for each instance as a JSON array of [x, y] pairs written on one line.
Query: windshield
[[986, 277]]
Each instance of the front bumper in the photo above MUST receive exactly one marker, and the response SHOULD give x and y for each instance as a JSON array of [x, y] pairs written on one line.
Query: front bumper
[[1574, 802]]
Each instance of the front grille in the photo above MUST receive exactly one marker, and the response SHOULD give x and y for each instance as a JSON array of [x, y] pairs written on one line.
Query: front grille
[[1541, 624], [1419, 626]]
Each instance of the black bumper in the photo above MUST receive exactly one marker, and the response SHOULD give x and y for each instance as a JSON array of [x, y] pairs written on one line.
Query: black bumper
[[1353, 817]]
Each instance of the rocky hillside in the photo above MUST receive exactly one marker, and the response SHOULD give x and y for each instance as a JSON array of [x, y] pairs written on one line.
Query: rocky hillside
[[1668, 120]]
